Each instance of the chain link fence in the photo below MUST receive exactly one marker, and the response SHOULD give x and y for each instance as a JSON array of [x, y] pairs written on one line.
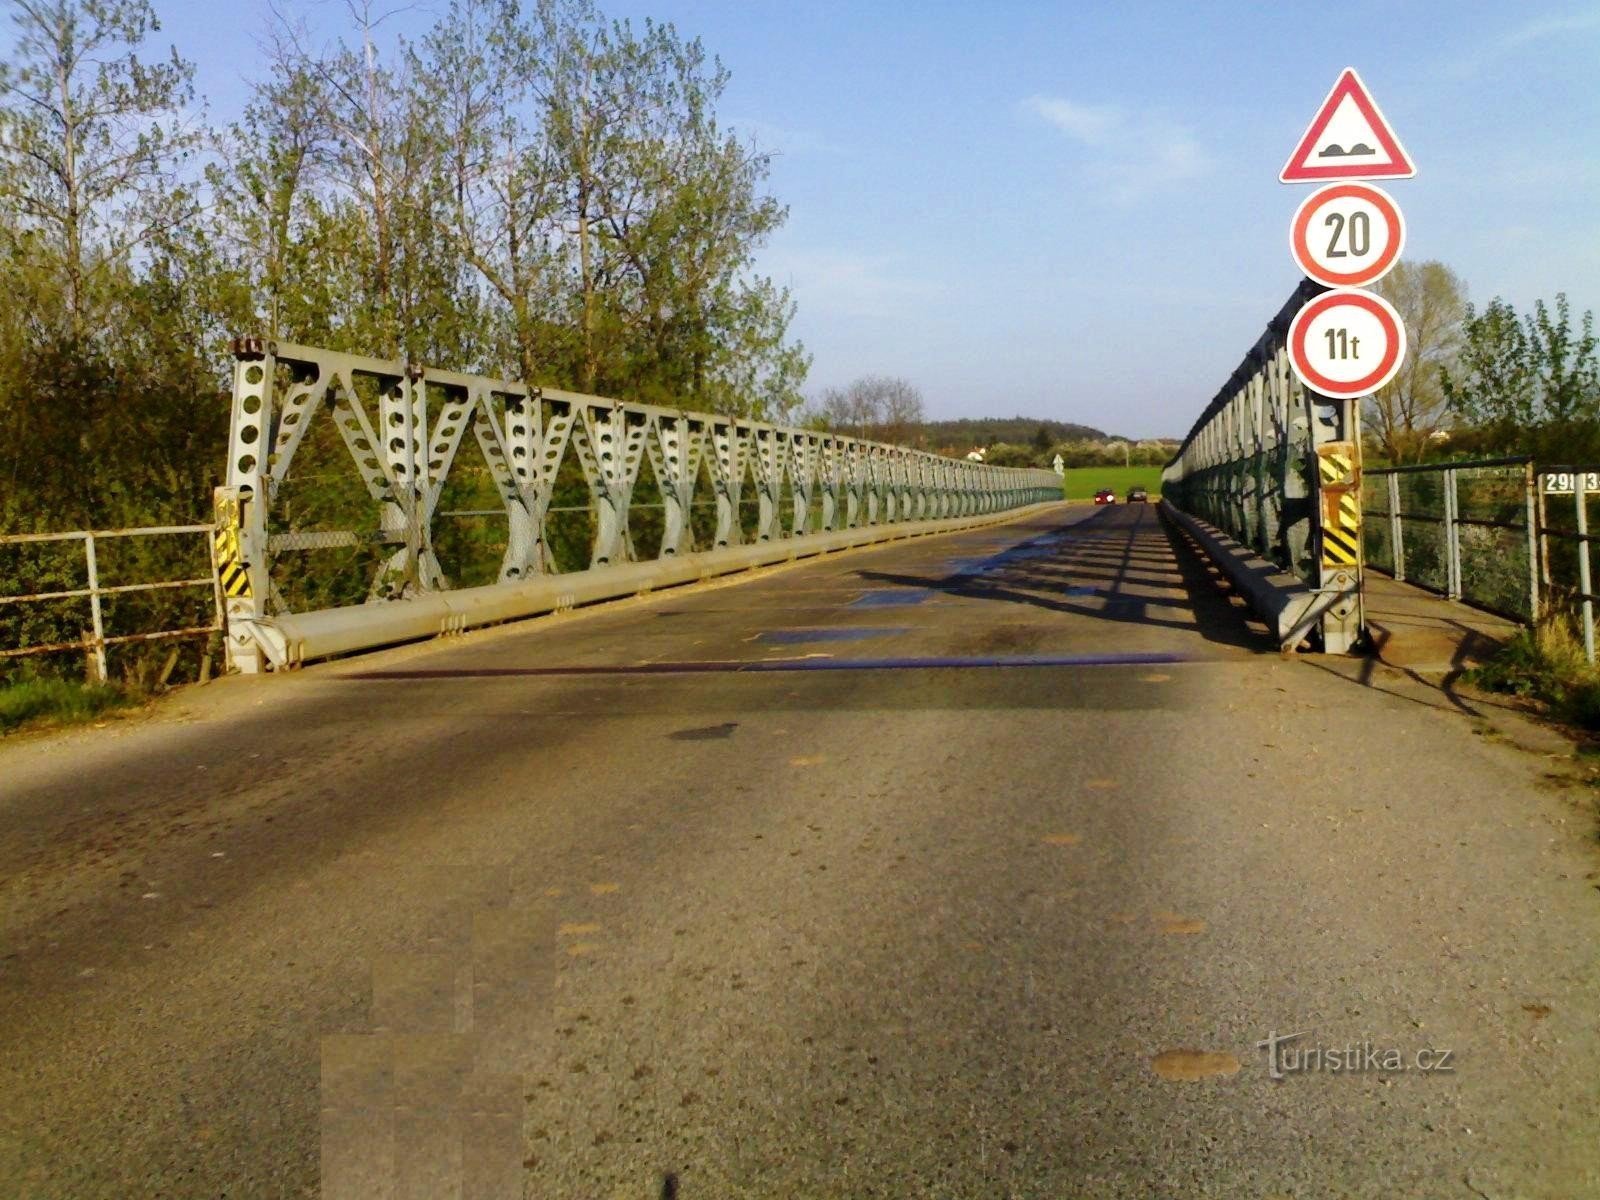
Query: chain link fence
[[1469, 531]]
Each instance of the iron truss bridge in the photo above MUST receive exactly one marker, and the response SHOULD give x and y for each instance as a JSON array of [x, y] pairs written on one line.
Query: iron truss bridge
[[358, 512]]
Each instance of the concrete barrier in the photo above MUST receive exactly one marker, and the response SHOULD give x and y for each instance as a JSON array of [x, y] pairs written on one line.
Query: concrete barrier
[[1289, 608]]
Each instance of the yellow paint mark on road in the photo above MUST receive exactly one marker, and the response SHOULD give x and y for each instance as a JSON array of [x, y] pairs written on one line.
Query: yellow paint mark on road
[[808, 760], [555, 892], [604, 889], [1186, 1066], [581, 949], [1158, 678], [571, 928], [1173, 923], [1061, 839], [972, 945]]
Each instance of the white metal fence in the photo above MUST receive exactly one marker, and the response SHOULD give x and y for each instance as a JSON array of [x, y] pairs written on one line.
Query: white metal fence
[[34, 630]]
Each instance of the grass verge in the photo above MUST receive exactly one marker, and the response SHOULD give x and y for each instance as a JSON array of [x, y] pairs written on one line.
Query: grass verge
[[58, 701], [1081, 483], [1546, 662]]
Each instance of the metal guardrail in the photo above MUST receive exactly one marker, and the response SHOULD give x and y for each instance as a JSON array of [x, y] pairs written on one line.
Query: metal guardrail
[[565, 469], [1467, 530], [1501, 534], [1277, 468], [95, 639]]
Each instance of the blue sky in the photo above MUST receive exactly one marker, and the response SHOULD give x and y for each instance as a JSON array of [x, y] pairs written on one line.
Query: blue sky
[[1072, 211]]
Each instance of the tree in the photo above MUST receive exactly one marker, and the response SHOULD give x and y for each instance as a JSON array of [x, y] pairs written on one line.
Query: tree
[[878, 407], [91, 136], [1530, 386], [1404, 415], [105, 391]]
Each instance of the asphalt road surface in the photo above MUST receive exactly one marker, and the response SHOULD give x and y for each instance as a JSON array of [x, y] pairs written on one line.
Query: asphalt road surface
[[971, 866]]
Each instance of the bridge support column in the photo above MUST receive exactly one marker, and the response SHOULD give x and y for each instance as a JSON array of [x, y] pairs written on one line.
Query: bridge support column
[[1336, 443]]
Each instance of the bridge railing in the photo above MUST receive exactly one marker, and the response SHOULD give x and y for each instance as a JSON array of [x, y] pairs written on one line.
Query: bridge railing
[[1275, 469], [370, 501], [157, 586], [1469, 530]]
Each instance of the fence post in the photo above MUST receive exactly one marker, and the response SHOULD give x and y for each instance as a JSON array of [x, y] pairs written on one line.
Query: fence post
[[1397, 530], [97, 656], [1583, 564], [1530, 478], [1452, 536]]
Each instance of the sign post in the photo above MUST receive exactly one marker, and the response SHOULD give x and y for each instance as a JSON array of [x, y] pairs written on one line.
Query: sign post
[[1346, 343]]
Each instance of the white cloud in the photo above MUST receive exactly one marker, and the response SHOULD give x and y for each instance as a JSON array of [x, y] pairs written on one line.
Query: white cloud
[[1529, 33], [861, 286], [1131, 154], [1090, 124]]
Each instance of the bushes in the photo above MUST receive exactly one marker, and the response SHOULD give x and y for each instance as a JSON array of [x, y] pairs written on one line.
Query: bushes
[[1547, 663]]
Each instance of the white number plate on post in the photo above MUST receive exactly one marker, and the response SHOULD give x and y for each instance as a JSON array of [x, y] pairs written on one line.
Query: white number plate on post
[[1565, 483]]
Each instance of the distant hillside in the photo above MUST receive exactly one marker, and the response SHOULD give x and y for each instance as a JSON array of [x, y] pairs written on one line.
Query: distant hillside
[[1019, 431]]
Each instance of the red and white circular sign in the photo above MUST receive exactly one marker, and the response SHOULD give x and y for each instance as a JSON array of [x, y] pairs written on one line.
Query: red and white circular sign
[[1347, 234], [1346, 343]]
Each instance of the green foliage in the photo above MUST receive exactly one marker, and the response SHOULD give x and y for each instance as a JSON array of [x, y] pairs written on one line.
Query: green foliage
[[1530, 385], [41, 700], [528, 190], [1081, 483], [968, 433], [1547, 663]]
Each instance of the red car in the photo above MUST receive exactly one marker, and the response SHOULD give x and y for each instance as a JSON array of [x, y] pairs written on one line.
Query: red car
[[1105, 496]]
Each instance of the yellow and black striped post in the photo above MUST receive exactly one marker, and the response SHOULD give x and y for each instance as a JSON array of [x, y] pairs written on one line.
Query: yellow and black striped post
[[233, 572], [1339, 521], [1341, 506]]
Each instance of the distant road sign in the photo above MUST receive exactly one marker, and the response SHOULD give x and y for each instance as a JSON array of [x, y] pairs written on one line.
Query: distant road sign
[[1348, 139], [1347, 234], [1346, 343]]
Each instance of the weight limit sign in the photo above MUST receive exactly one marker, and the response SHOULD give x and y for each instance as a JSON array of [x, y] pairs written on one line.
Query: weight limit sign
[[1347, 234], [1346, 343]]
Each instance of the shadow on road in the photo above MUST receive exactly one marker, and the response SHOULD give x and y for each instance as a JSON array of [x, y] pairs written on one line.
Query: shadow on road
[[1123, 565]]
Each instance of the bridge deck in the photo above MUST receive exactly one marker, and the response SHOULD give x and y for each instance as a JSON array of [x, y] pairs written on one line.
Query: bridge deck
[[935, 869]]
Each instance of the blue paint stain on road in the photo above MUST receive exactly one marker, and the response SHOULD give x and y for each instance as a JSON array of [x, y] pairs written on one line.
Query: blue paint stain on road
[[837, 633], [737, 667], [891, 598]]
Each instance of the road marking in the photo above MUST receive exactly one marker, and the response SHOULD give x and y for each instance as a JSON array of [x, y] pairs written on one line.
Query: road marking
[[1173, 923], [808, 760], [604, 889], [570, 928], [1061, 839]]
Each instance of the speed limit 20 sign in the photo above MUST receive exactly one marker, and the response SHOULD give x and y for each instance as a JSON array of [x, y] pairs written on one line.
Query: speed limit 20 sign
[[1347, 234], [1346, 343]]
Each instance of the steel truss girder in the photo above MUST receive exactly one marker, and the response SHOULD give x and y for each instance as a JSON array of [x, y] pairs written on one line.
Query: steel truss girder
[[402, 426], [1249, 467]]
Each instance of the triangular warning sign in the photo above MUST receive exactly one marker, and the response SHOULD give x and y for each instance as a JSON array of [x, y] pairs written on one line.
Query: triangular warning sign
[[1348, 139]]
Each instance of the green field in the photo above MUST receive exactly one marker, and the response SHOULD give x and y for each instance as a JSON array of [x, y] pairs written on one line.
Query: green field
[[1081, 483]]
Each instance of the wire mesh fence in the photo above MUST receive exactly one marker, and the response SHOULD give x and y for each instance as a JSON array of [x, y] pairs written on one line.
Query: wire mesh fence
[[1467, 530]]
